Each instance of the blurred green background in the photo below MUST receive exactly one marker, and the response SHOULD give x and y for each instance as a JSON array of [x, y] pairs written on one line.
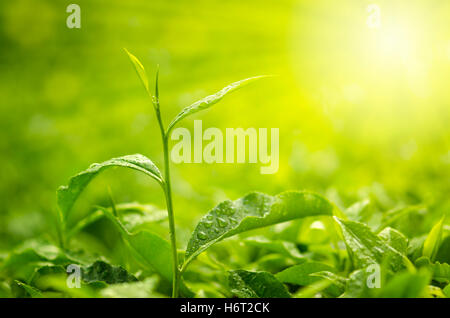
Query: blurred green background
[[362, 112]]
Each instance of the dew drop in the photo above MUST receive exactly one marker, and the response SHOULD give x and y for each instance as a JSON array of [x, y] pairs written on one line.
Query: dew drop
[[208, 223], [222, 222], [228, 211], [202, 235]]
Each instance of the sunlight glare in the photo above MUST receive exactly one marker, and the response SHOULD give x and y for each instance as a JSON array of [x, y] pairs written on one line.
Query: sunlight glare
[[396, 42]]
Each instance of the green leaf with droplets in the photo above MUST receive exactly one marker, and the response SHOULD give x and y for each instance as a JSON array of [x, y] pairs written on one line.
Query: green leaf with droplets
[[395, 239], [67, 195], [247, 284], [210, 100], [140, 70], [366, 248], [255, 210], [101, 271], [433, 240]]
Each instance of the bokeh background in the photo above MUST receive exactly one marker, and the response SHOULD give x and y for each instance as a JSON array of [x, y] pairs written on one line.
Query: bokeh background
[[363, 112]]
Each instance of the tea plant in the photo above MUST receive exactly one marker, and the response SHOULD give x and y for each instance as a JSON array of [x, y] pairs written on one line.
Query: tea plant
[[294, 244], [230, 218]]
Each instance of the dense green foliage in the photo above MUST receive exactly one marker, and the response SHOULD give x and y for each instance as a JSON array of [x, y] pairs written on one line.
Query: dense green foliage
[[364, 173], [404, 267]]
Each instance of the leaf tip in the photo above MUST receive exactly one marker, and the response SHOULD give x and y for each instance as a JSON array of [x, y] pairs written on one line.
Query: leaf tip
[[128, 52]]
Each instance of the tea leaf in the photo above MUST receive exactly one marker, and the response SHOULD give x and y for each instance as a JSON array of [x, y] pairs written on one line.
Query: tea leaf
[[357, 286], [441, 272], [406, 285], [443, 253], [398, 215], [434, 292], [415, 247], [149, 249], [22, 262], [272, 263], [300, 274], [282, 247], [356, 211], [366, 248], [433, 240], [133, 215], [247, 284], [339, 281], [395, 239], [142, 289], [255, 210], [140, 70], [137, 216], [210, 100], [46, 270], [313, 290], [103, 272], [33, 292], [446, 291], [53, 279], [84, 222], [67, 195]]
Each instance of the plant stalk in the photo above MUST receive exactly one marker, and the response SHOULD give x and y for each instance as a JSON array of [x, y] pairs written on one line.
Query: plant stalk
[[61, 229], [168, 194]]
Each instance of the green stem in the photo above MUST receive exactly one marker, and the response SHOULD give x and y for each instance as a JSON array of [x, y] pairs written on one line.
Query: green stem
[[168, 194], [61, 229]]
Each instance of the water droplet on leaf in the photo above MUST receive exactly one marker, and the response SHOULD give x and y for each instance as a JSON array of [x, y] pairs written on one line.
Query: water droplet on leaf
[[208, 223], [222, 222]]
